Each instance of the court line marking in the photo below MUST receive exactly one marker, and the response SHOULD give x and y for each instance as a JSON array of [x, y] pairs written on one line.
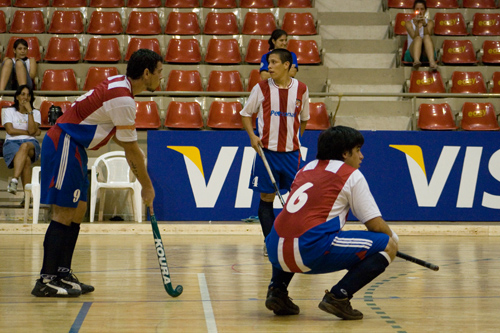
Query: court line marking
[[207, 304], [77, 324]]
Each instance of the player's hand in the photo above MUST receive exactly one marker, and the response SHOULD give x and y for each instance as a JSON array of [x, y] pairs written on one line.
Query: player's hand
[[148, 195], [256, 143]]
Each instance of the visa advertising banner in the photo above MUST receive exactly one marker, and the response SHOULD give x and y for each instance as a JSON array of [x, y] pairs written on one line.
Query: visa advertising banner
[[413, 175]]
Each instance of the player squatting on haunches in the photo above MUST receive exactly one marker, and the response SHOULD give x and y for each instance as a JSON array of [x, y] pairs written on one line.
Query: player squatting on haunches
[[105, 112], [307, 236]]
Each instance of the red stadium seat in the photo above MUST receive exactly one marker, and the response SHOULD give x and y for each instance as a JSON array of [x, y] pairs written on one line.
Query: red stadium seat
[[491, 52], [294, 4], [426, 82], [63, 50], [221, 24], [219, 3], [5, 3], [450, 24], [33, 47], [255, 50], [458, 52], [182, 80], [69, 3], [495, 89], [183, 51], [142, 43], [223, 51], [66, 22], [224, 81], [479, 117], [103, 50], [442, 3], [59, 79], [107, 3], [105, 23], [299, 24], [144, 3], [256, 4], [31, 3], [96, 75], [486, 24], [143, 23], [225, 115], [408, 4], [258, 24], [480, 4], [400, 23], [253, 79], [182, 23], [467, 83], [27, 22], [436, 117], [319, 117], [3, 22], [185, 115], [147, 116], [306, 50], [182, 3], [44, 111]]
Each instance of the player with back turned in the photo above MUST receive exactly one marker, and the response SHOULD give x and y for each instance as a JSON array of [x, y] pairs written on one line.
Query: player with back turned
[[106, 112]]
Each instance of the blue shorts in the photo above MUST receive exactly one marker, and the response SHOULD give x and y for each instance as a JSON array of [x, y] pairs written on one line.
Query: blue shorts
[[64, 180], [11, 147], [284, 166]]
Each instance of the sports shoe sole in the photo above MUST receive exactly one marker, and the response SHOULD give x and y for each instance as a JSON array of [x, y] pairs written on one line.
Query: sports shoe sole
[[327, 307], [279, 308]]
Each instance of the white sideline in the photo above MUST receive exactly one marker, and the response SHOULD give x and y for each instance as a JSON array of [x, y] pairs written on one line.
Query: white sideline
[[207, 304]]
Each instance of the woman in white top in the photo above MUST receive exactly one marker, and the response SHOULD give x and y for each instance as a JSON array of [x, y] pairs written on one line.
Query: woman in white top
[[19, 70], [21, 148], [420, 30]]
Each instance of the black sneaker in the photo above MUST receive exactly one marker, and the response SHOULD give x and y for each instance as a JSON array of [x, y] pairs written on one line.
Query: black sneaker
[[340, 307], [73, 281], [54, 288], [279, 302]]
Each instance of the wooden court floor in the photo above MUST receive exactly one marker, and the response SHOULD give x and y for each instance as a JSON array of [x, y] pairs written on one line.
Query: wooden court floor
[[225, 279]]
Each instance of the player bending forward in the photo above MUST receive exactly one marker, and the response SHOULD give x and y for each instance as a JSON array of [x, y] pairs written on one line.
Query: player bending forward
[[307, 235]]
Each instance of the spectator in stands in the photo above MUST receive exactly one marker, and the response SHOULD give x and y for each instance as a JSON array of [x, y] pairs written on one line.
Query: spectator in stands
[[278, 40], [21, 148], [420, 30], [19, 70]]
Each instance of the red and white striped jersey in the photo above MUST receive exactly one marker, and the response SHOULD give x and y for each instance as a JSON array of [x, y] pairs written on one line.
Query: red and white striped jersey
[[108, 109], [279, 113]]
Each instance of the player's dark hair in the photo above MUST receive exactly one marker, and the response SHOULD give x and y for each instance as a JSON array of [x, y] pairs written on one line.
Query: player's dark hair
[[20, 41], [275, 36], [420, 1], [284, 55], [140, 60], [18, 92], [335, 141]]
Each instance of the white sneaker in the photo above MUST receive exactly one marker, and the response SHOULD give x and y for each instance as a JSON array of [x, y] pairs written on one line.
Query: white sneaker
[[12, 187], [264, 252]]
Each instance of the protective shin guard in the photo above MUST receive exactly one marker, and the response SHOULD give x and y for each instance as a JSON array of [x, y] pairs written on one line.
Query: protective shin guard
[[360, 275], [266, 216], [69, 248], [53, 245]]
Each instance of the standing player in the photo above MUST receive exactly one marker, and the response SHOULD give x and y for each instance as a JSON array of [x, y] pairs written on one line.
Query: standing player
[[282, 107], [307, 236], [108, 111]]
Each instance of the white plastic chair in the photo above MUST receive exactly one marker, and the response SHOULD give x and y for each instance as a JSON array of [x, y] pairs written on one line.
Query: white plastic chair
[[117, 175], [32, 189]]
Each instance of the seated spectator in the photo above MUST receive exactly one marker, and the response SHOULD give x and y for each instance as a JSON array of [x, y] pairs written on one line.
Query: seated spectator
[[278, 40], [21, 148], [420, 46], [19, 70]]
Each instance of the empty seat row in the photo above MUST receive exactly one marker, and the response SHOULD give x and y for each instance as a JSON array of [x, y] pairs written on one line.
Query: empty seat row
[[460, 83], [450, 4]]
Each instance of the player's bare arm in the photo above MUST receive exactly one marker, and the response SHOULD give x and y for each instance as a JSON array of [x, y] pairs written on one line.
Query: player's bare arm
[[303, 125], [254, 139]]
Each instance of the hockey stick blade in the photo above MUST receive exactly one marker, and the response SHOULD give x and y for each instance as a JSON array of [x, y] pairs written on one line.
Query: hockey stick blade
[[417, 261], [162, 260]]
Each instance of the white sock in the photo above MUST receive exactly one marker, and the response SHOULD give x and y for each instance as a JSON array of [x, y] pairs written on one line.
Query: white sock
[[14, 180]]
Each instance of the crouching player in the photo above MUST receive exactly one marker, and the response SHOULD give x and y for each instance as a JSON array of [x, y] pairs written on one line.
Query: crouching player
[[307, 236]]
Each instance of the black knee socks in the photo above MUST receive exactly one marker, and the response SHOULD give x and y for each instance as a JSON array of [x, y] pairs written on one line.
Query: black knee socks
[[266, 216], [281, 279], [69, 247], [53, 246]]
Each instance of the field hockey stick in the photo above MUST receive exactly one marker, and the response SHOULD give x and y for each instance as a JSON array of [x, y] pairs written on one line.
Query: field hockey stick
[[418, 261], [162, 260], [268, 168], [336, 110]]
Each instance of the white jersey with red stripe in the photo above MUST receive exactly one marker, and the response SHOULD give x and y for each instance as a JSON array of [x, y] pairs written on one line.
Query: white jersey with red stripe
[[279, 113], [108, 109]]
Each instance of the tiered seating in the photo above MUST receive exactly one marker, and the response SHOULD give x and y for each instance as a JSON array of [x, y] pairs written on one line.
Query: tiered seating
[[450, 24], [103, 50], [142, 43], [143, 23], [44, 111], [224, 115], [486, 24], [185, 51], [96, 75], [185, 115], [436, 117], [33, 47], [479, 117], [181, 80], [66, 22], [27, 22], [467, 83], [182, 23], [59, 79], [458, 52], [63, 50]]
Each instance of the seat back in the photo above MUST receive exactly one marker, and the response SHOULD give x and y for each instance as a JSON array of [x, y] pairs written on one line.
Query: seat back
[[449, 24], [495, 89], [103, 50], [3, 22], [225, 115], [44, 111], [255, 50], [182, 23], [63, 50], [491, 52], [148, 116], [426, 82], [294, 4], [184, 115], [224, 81], [59, 79], [144, 3], [458, 52], [66, 22], [114, 167], [256, 4], [407, 4], [184, 80], [221, 24], [442, 4], [183, 51], [480, 4], [182, 3], [33, 47], [31, 3], [486, 24], [319, 117], [436, 117], [105, 23], [219, 3], [258, 24], [27, 22], [400, 23], [299, 23], [143, 23], [136, 43], [69, 3], [223, 51], [107, 3], [96, 75], [306, 51], [253, 79], [467, 83], [479, 117]]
